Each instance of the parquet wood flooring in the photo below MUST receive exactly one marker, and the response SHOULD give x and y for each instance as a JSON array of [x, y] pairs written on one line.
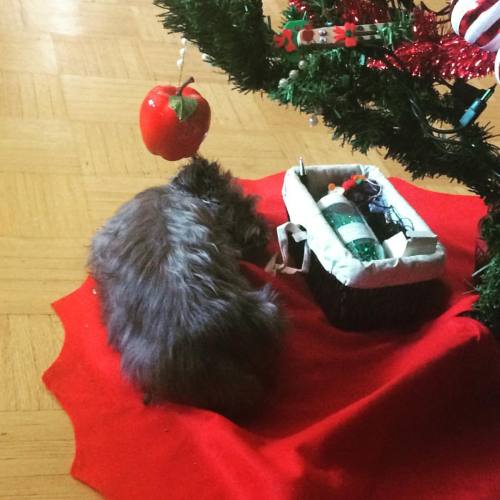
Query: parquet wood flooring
[[72, 76]]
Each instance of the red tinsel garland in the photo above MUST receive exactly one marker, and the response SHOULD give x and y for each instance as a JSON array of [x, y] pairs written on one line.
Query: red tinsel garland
[[364, 11], [431, 54], [450, 57], [303, 7]]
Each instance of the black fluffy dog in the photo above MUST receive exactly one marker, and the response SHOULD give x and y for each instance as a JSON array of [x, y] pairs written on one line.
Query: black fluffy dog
[[188, 325]]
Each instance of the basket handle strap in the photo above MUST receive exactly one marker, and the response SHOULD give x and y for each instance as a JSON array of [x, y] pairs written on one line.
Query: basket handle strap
[[298, 234]]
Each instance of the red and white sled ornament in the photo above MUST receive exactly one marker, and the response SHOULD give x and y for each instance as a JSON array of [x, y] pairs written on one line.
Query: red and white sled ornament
[[347, 35], [478, 22]]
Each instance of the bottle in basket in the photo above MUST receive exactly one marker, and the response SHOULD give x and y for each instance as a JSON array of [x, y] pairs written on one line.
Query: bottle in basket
[[350, 226]]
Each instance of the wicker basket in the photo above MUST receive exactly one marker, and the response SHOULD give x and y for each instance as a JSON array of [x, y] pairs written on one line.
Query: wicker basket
[[353, 294]]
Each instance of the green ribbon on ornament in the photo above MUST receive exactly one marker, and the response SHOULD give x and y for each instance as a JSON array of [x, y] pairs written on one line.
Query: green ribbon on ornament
[[184, 107]]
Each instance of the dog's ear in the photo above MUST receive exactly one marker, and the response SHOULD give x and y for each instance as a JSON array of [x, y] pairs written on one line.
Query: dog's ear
[[202, 178]]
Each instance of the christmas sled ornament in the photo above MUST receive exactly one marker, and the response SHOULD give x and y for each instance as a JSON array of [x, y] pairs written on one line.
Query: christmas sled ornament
[[347, 35], [174, 121], [478, 22]]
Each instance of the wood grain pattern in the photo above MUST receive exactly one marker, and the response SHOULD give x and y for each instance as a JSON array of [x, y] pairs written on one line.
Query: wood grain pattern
[[72, 76]]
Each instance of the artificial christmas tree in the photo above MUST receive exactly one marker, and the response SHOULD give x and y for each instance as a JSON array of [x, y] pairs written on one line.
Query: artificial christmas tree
[[384, 74]]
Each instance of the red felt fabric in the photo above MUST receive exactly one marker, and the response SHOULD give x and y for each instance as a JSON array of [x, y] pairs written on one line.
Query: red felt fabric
[[383, 415]]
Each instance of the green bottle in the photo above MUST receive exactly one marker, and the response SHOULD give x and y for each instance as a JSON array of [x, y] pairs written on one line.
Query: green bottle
[[350, 226]]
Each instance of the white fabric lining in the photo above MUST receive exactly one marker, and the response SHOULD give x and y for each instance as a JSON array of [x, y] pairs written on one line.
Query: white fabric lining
[[330, 251]]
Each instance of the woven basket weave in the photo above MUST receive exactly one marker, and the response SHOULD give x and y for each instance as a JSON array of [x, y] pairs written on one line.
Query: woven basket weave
[[357, 295]]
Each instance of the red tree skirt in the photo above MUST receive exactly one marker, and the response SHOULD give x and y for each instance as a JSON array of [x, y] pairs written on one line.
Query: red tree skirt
[[375, 415]]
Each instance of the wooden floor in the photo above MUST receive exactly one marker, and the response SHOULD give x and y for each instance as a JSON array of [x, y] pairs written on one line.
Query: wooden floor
[[72, 76]]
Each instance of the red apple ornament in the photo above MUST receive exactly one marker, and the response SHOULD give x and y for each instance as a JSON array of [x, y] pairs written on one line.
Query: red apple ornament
[[174, 120]]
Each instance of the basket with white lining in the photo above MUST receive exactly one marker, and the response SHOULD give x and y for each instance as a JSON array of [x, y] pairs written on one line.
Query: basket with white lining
[[398, 289]]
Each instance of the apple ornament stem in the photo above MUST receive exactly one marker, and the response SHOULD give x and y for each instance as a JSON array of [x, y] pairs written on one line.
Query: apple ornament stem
[[174, 120]]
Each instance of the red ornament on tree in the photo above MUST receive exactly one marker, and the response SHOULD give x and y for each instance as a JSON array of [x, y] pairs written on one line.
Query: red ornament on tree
[[347, 33], [174, 121], [478, 22]]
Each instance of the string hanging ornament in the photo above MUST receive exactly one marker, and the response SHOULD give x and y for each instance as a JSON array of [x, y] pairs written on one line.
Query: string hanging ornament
[[174, 120]]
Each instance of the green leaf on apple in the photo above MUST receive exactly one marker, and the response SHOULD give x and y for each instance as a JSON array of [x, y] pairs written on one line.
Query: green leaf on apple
[[184, 107]]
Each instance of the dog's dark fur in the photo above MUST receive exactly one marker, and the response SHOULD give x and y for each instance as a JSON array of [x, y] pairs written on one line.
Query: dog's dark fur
[[188, 325]]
